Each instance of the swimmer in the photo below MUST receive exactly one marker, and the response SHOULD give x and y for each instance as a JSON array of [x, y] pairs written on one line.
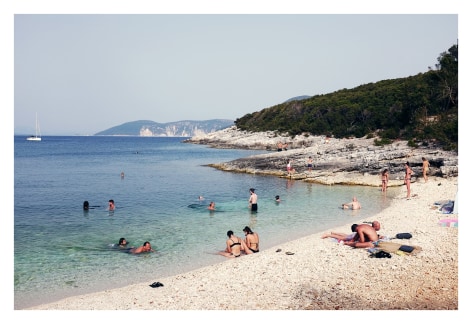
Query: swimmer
[[211, 206], [145, 248], [111, 204], [354, 204]]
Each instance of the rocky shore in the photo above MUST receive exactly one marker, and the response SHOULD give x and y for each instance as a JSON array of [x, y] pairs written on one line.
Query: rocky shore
[[355, 161]]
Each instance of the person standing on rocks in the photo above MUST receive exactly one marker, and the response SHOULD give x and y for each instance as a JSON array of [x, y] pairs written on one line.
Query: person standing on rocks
[[290, 169], [310, 163]]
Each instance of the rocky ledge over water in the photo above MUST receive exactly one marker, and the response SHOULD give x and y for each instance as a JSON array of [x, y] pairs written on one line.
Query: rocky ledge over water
[[353, 161]]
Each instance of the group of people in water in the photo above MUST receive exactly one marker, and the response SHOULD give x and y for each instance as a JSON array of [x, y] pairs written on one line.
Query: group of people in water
[[123, 246], [362, 236], [111, 205]]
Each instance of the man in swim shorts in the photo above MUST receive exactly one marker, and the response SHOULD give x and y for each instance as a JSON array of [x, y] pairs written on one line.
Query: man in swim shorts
[[366, 237], [253, 200]]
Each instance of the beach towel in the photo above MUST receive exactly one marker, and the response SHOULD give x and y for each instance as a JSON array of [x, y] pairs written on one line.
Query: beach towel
[[392, 247]]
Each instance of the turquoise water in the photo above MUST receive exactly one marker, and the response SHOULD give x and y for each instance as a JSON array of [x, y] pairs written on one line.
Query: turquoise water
[[61, 251]]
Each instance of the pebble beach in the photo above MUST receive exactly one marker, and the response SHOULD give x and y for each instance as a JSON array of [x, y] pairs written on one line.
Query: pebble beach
[[318, 274]]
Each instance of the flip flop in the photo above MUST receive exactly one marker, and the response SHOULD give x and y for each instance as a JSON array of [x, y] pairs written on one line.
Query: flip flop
[[278, 250], [289, 253], [156, 284]]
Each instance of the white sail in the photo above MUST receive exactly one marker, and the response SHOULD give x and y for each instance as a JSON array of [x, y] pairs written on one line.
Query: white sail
[[37, 135]]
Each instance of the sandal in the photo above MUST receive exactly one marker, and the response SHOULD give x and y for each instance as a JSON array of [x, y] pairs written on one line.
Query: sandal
[[156, 284]]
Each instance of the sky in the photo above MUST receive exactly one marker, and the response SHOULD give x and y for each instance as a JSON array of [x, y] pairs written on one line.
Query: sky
[[85, 73], [86, 66]]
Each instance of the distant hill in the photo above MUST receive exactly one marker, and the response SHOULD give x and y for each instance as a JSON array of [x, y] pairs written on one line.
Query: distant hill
[[183, 128], [297, 98]]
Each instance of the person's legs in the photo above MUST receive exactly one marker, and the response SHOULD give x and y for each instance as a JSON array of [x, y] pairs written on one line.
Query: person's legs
[[226, 254], [408, 191], [360, 244], [337, 236]]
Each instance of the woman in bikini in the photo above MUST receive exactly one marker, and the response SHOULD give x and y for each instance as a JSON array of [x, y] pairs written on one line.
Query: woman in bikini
[[252, 240], [408, 173], [234, 246]]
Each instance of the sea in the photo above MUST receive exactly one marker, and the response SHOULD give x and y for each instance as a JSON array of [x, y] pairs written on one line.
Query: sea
[[60, 250]]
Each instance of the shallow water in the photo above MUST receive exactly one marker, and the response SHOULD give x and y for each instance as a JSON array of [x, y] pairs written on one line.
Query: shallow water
[[61, 251]]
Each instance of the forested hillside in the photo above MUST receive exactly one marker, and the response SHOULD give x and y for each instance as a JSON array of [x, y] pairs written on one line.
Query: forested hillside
[[421, 109]]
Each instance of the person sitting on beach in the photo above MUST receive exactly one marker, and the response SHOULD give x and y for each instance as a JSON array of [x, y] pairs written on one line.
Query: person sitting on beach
[[366, 237], [234, 246], [354, 204], [211, 206], [252, 239], [145, 248]]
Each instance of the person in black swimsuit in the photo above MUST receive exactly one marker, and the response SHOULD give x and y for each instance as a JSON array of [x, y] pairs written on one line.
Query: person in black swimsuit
[[234, 246], [252, 239]]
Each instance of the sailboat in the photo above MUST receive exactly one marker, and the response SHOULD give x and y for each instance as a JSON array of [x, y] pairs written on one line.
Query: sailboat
[[37, 135]]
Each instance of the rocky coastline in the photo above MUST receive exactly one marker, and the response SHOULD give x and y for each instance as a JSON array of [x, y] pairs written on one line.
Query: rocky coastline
[[353, 161]]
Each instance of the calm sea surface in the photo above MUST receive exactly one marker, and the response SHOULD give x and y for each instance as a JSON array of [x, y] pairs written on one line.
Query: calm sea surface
[[61, 251]]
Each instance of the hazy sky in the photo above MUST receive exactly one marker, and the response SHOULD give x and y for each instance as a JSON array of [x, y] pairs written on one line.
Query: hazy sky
[[86, 73]]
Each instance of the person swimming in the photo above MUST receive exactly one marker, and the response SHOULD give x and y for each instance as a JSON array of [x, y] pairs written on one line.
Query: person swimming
[[123, 245]]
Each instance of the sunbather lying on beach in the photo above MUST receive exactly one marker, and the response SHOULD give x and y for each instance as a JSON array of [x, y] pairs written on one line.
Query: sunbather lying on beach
[[350, 237], [341, 236]]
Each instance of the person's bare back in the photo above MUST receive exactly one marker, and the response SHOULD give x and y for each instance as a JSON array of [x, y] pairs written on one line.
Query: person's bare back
[[365, 237]]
